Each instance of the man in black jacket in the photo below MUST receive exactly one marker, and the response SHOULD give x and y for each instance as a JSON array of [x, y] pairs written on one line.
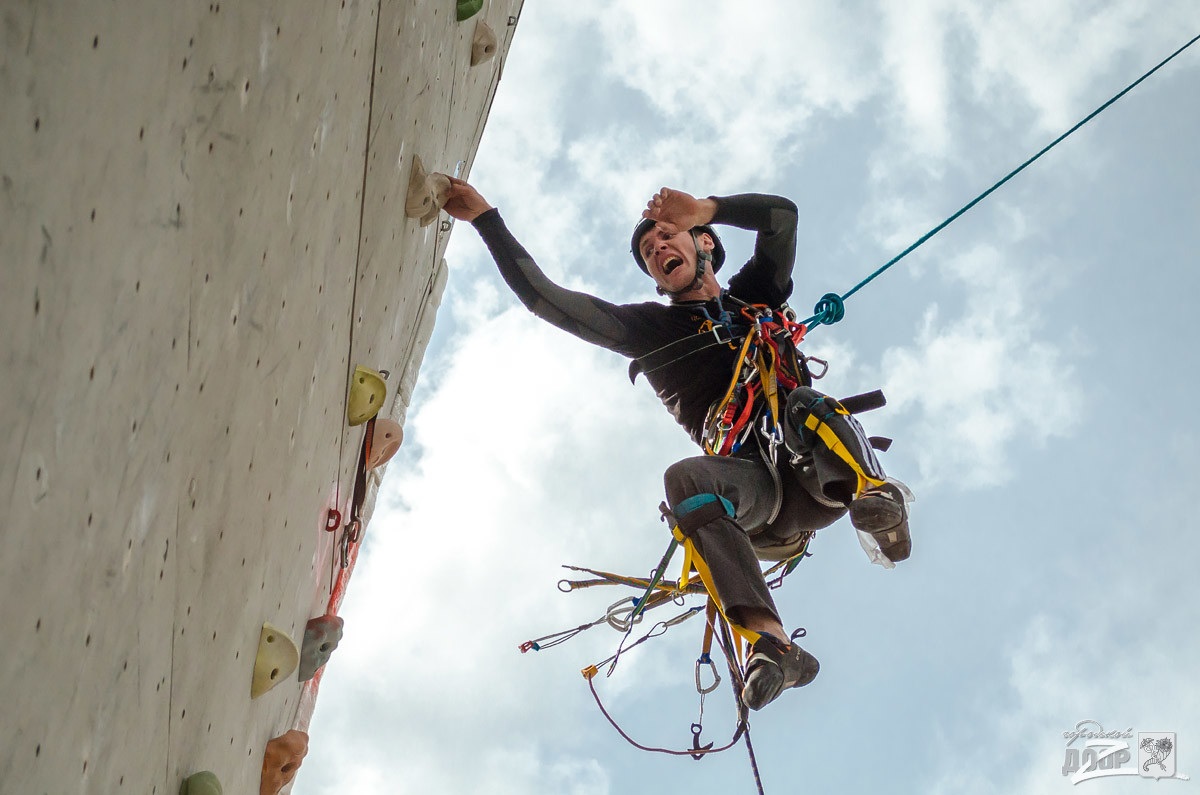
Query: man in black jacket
[[752, 503]]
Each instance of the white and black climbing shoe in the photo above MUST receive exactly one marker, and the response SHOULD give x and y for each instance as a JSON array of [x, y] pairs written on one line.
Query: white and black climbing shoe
[[881, 511], [773, 667]]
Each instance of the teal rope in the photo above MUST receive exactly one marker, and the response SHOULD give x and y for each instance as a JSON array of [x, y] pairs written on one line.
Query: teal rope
[[830, 309]]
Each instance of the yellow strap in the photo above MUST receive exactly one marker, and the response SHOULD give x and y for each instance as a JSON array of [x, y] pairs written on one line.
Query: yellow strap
[[766, 376], [737, 372], [710, 618], [692, 559], [826, 435]]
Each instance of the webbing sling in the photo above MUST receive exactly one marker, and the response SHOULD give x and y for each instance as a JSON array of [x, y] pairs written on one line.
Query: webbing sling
[[684, 347]]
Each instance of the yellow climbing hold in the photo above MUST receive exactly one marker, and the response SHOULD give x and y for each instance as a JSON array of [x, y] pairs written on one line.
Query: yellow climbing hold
[[367, 391], [277, 658]]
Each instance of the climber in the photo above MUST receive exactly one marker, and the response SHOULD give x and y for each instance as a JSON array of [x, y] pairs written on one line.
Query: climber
[[757, 501]]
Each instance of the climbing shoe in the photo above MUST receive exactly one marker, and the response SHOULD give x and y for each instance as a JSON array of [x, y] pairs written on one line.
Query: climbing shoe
[[881, 511], [773, 667]]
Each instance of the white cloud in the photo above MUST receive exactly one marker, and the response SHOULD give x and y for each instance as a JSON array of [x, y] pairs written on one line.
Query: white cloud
[[1062, 674], [1047, 55], [982, 382], [913, 50], [515, 476]]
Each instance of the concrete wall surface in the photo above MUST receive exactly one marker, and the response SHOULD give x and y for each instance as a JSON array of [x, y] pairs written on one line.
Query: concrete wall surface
[[202, 232]]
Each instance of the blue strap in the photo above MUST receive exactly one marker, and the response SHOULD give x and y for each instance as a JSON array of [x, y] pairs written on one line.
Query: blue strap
[[692, 503]]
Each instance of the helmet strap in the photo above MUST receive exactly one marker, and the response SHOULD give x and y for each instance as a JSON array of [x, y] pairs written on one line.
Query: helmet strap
[[703, 258]]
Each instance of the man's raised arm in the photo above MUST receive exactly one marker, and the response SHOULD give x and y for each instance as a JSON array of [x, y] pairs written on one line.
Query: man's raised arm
[[587, 317], [774, 218]]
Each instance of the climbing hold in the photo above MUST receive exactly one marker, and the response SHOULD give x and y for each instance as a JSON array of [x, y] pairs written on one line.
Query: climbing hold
[[483, 46], [202, 783], [385, 442], [438, 186], [281, 760], [367, 392], [468, 9], [277, 658], [420, 199], [321, 637], [427, 193]]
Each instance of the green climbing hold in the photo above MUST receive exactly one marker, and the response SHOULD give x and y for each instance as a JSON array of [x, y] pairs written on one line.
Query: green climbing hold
[[468, 8], [202, 783]]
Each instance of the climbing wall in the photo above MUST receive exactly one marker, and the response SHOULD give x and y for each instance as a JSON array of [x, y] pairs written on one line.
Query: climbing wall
[[202, 232]]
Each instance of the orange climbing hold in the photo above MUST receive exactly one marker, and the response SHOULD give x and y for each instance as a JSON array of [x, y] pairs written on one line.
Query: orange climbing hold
[[384, 442], [281, 760]]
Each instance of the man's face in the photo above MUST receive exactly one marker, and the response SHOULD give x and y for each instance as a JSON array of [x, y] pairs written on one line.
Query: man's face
[[671, 258]]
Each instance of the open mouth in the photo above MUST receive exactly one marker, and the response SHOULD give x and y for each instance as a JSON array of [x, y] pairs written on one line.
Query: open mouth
[[670, 265]]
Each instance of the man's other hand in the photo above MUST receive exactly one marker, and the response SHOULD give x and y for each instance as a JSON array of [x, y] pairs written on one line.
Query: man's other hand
[[675, 211]]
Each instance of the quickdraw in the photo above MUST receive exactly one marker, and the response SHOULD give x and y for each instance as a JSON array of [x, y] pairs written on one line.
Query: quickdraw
[[769, 365]]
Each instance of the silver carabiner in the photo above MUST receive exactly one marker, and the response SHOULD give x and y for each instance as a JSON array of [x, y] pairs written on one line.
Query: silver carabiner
[[684, 616], [716, 675], [618, 619]]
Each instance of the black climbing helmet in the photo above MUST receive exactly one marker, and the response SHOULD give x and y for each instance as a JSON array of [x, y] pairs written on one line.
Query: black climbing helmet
[[646, 224]]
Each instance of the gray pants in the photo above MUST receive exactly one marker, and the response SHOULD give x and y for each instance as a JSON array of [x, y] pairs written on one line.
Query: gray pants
[[816, 492]]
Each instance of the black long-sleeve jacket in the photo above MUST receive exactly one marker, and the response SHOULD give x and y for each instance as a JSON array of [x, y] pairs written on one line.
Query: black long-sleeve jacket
[[689, 386]]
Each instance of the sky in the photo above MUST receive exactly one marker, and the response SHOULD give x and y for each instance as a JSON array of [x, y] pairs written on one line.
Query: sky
[[1036, 355]]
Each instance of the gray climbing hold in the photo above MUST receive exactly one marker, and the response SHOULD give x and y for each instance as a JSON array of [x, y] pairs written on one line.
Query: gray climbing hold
[[321, 637]]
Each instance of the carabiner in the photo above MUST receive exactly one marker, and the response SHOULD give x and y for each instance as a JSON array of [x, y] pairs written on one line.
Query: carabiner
[[704, 658], [824, 367], [618, 617]]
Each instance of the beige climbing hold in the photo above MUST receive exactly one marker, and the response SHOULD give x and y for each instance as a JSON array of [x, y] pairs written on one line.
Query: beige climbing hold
[[281, 760], [420, 198], [385, 442], [367, 391], [277, 658], [439, 189], [483, 47], [203, 783], [427, 193]]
